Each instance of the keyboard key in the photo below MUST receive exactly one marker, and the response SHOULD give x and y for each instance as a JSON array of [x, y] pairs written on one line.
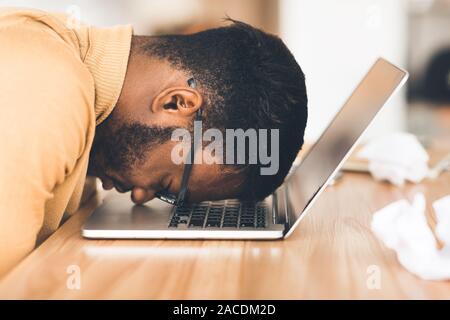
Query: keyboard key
[[198, 216], [196, 224], [229, 225], [183, 214], [215, 224], [246, 225]]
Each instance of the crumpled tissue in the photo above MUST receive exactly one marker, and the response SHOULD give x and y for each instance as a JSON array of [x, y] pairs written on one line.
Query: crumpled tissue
[[403, 227], [396, 157]]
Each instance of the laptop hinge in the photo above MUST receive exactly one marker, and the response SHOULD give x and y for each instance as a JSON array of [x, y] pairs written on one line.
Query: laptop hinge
[[280, 214]]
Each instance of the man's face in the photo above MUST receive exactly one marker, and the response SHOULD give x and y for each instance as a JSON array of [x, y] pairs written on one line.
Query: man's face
[[130, 156]]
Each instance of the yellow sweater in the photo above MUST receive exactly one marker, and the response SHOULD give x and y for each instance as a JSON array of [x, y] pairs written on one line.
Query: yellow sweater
[[57, 81]]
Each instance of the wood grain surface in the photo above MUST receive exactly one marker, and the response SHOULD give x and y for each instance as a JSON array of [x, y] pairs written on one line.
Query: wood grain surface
[[330, 256]]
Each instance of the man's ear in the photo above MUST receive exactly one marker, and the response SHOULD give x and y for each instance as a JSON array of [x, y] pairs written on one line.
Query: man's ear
[[177, 100]]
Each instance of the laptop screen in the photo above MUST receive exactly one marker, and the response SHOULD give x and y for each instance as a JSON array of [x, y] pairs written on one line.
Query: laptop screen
[[328, 153]]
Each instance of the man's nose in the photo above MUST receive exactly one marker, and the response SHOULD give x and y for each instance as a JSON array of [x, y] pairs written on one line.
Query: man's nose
[[141, 195]]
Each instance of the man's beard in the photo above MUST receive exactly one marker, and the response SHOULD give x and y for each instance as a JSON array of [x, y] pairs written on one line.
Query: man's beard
[[120, 146]]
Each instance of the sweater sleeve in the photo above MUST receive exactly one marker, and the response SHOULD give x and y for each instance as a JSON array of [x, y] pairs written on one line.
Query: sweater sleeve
[[43, 125]]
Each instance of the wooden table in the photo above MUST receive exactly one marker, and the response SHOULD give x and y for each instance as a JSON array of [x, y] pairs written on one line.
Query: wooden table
[[330, 255]]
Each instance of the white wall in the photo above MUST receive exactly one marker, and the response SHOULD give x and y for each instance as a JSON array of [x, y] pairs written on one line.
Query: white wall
[[148, 16], [144, 15], [335, 42]]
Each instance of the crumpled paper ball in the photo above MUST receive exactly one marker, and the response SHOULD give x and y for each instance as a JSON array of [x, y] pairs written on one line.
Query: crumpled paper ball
[[396, 157], [403, 227]]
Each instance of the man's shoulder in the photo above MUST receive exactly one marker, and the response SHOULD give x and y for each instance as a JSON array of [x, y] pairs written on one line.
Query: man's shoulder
[[46, 83], [13, 15], [39, 62], [16, 17], [40, 32]]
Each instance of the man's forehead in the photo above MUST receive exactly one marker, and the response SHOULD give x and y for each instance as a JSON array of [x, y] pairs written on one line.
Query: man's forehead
[[214, 182]]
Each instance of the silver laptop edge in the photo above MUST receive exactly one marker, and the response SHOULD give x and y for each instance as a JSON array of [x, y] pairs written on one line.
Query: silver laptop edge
[[289, 203], [402, 78]]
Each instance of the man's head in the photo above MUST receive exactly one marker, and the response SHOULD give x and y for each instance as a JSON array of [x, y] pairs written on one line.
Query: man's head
[[245, 79]]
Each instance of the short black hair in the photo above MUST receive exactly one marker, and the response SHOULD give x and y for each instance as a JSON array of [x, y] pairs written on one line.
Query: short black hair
[[249, 79]]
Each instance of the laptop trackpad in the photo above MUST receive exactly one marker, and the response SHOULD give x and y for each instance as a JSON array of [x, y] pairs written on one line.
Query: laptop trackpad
[[118, 212]]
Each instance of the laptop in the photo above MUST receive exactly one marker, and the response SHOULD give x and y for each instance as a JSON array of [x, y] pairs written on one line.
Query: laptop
[[278, 215]]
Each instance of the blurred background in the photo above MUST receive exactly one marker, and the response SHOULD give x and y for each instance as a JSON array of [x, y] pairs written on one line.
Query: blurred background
[[335, 42]]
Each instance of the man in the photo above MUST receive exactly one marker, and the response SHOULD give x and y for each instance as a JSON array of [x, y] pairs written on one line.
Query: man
[[83, 100]]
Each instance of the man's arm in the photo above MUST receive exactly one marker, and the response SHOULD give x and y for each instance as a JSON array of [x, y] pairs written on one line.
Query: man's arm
[[43, 124]]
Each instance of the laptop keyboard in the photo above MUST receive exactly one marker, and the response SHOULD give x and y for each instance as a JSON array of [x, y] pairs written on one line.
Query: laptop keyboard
[[220, 214]]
